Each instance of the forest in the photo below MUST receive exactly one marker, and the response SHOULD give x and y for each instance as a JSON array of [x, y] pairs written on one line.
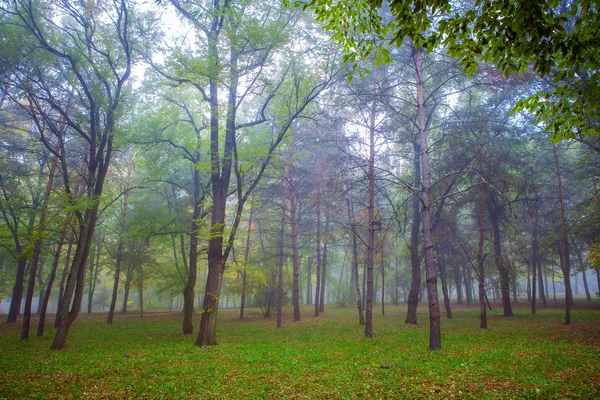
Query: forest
[[299, 199]]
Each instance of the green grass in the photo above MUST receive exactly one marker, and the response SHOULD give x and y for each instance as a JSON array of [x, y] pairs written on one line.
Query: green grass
[[327, 357]]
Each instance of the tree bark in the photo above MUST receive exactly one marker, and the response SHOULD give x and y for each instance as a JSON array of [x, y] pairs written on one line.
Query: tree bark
[[52, 276], [188, 291], [435, 337], [534, 251], [246, 260], [295, 258], [355, 274], [415, 257], [318, 250], [119, 258], [566, 265], [281, 252], [94, 270], [324, 263], [500, 265]]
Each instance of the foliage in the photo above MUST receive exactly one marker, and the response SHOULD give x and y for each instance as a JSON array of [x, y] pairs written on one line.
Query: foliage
[[553, 38]]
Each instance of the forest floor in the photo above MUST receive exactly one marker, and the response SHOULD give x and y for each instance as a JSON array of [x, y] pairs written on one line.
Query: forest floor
[[524, 356]]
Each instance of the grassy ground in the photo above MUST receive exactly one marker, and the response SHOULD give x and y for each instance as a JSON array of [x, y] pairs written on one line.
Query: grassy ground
[[327, 357]]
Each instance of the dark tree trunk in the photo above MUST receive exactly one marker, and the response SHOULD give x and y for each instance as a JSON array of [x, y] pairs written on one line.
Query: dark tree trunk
[[354, 274], [188, 291], [246, 260], [63, 278], [480, 259], [500, 265], [371, 214], [127, 288], [534, 252], [324, 263], [281, 253], [457, 282], [295, 258], [415, 258], [382, 287], [443, 274], [17, 293], [119, 258], [309, 281], [566, 265], [52, 276], [435, 335], [318, 250], [94, 270]]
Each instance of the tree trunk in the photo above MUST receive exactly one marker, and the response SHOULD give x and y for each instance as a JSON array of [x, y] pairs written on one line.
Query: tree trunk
[[534, 251], [281, 252], [295, 259], [442, 268], [566, 265], [115, 292], [309, 280], [318, 285], [74, 288], [480, 258], [94, 270], [500, 265], [382, 287], [435, 336], [415, 258], [457, 282], [188, 291], [371, 212], [52, 276], [324, 263], [246, 260], [17, 293], [354, 274], [63, 278]]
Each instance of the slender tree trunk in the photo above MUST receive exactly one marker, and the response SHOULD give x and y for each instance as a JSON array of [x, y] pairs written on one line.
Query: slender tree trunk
[[246, 260], [415, 258], [94, 270], [295, 258], [535, 250], [500, 265], [309, 281], [457, 282], [588, 296], [354, 274], [382, 288], [566, 266], [541, 284], [188, 291], [115, 292], [435, 336], [281, 252], [371, 212], [468, 284], [127, 288], [318, 285], [52, 276], [140, 289], [480, 258], [17, 293], [63, 278], [443, 276], [324, 263]]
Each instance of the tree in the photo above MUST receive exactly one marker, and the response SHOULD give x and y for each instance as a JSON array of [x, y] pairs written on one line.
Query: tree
[[92, 51]]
